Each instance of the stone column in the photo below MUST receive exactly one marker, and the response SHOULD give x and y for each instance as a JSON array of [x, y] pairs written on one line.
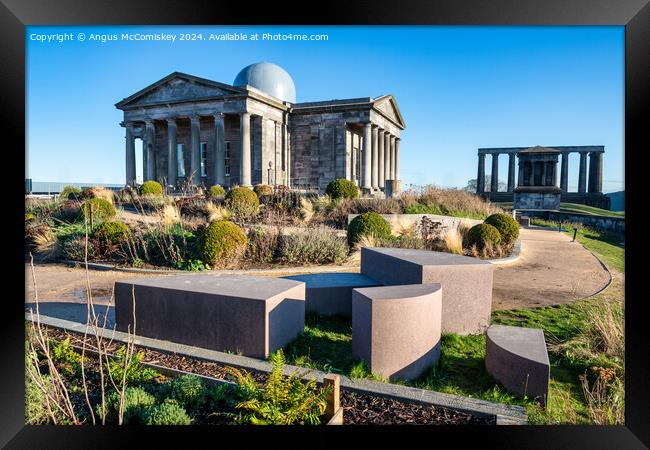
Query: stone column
[[245, 175], [386, 156], [595, 172], [494, 182], [599, 172], [554, 166], [130, 155], [520, 177], [172, 152], [564, 174], [582, 175], [374, 176], [397, 158], [392, 157], [380, 175], [195, 166], [544, 173], [219, 169], [150, 150], [367, 156], [480, 177], [285, 154], [511, 172]]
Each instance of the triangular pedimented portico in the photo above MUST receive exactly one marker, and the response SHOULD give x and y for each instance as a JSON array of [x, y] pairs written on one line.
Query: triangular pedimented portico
[[178, 87], [387, 106]]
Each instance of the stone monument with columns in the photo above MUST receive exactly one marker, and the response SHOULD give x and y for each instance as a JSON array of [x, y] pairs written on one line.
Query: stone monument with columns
[[196, 131]]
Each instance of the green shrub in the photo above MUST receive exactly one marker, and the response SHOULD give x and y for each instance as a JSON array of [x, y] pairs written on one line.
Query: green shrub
[[136, 402], [97, 192], [112, 232], [70, 193], [29, 217], [222, 242], [216, 191], [342, 188], [188, 390], [151, 188], [75, 248], [65, 355], [368, 224], [135, 373], [243, 203], [100, 209], [36, 412], [167, 413], [507, 226], [483, 235], [263, 189], [316, 246]]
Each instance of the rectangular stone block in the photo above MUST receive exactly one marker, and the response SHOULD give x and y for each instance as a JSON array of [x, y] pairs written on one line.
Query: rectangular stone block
[[466, 282], [252, 316], [330, 294], [396, 329]]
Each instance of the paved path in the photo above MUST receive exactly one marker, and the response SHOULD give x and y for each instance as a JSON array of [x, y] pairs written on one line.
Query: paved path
[[551, 270]]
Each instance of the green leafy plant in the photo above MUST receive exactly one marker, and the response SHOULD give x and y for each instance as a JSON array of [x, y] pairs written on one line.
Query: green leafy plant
[[193, 265], [112, 232], [136, 402], [222, 242], [70, 193], [188, 390], [152, 188], [483, 235], [263, 189], [342, 188], [66, 356], [507, 226], [216, 191], [135, 373], [368, 224], [97, 209], [75, 248], [316, 246], [283, 400], [243, 203], [167, 413]]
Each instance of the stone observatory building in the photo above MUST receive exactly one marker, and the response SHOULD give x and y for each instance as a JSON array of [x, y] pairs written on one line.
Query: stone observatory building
[[254, 131]]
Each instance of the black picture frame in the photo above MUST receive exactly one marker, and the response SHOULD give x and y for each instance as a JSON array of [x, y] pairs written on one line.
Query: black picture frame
[[633, 14]]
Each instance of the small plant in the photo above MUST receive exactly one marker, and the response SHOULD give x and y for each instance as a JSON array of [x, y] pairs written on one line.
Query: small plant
[[135, 373], [216, 191], [283, 400], [188, 390], [167, 413], [97, 210], [193, 265], [66, 356], [263, 189], [136, 402], [369, 223], [112, 232], [342, 188], [222, 242], [262, 244], [70, 193], [74, 249], [507, 226], [316, 246], [483, 236], [29, 217], [152, 188], [453, 241], [243, 203], [97, 192]]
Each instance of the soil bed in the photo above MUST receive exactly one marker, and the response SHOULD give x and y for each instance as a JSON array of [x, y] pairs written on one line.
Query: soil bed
[[359, 409]]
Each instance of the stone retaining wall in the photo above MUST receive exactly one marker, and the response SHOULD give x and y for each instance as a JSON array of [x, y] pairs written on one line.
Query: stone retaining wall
[[603, 223]]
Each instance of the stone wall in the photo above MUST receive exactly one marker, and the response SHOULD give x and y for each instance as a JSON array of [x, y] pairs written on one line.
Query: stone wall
[[603, 223]]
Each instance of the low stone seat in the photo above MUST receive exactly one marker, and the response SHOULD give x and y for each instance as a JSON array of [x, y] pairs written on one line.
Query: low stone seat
[[524, 221], [331, 293], [396, 329], [466, 282], [252, 316], [517, 358]]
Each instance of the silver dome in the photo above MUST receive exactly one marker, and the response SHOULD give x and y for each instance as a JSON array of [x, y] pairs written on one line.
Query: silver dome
[[269, 78]]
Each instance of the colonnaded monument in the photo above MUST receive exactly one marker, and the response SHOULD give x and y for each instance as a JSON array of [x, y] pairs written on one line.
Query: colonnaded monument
[[254, 131], [536, 186]]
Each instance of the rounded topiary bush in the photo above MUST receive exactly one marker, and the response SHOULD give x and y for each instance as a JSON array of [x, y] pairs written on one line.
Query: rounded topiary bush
[[112, 232], [483, 235], [216, 191], [151, 188], [98, 208], [342, 188], [263, 189], [243, 202], [167, 413], [136, 402], [188, 391], [507, 226], [222, 242], [368, 224], [70, 193]]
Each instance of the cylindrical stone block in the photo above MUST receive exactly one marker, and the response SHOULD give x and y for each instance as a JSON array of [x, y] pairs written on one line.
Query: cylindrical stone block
[[172, 164], [195, 168], [367, 156], [375, 158], [245, 176]]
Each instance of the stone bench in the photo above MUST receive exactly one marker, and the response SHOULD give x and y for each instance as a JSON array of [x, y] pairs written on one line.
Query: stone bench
[[466, 282], [517, 358], [331, 293], [252, 316], [396, 329]]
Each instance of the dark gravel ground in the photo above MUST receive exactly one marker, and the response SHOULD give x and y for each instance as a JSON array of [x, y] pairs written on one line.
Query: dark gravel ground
[[358, 409]]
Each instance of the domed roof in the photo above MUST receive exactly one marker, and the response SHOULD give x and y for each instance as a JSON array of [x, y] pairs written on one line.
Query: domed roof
[[269, 78]]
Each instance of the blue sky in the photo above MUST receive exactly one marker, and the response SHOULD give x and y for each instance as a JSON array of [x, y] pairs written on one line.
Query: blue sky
[[458, 88]]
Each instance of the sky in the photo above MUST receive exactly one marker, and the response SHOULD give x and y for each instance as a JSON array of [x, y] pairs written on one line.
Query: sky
[[459, 88]]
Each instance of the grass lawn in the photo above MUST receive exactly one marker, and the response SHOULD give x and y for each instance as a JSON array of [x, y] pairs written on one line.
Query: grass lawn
[[326, 344]]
